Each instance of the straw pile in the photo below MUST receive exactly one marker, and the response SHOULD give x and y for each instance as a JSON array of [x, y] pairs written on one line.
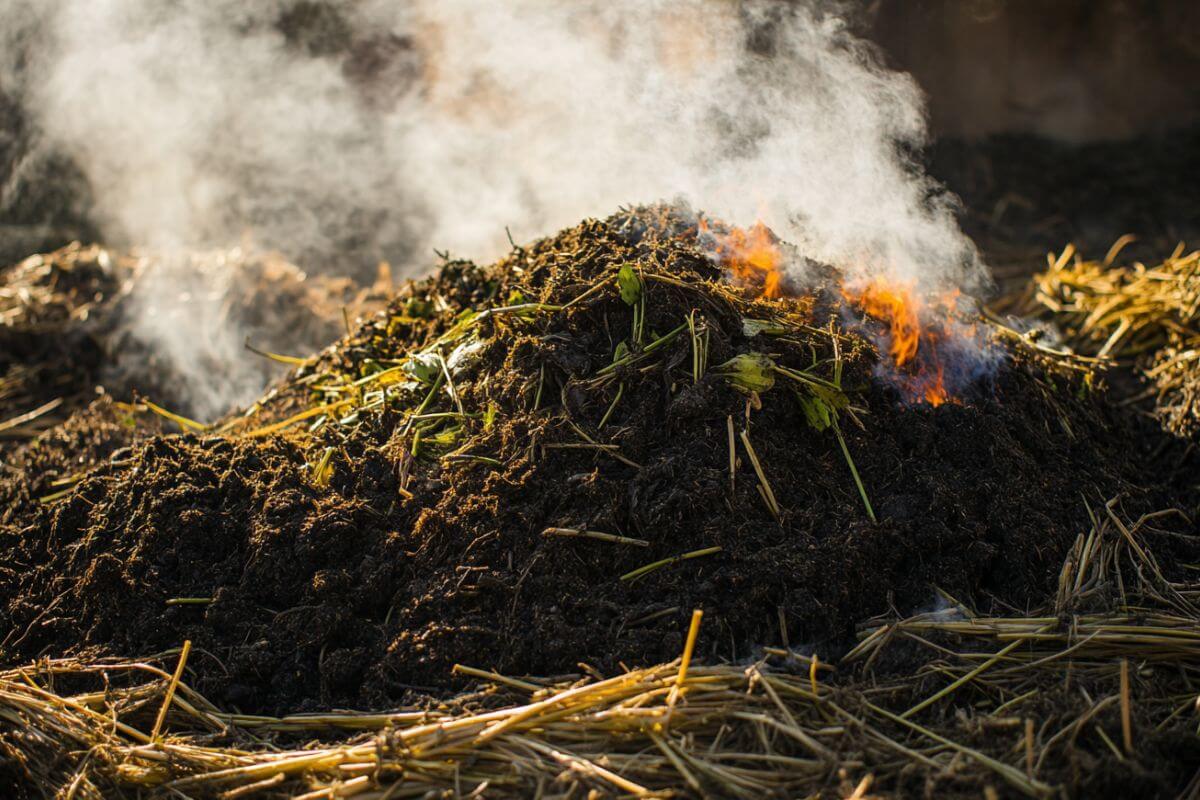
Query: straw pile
[[1147, 316]]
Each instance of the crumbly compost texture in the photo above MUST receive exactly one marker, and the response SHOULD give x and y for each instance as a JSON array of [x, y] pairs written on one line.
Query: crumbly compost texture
[[352, 556]]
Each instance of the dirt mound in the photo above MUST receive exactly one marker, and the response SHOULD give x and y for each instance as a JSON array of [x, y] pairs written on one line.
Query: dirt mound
[[66, 326], [428, 492]]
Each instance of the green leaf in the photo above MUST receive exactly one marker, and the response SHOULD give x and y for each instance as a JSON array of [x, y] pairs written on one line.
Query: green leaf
[[820, 404], [754, 372], [445, 438], [818, 414], [833, 398], [621, 351], [630, 284], [489, 416]]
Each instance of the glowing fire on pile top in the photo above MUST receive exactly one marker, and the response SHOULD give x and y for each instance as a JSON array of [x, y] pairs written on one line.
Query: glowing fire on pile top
[[751, 254], [921, 334]]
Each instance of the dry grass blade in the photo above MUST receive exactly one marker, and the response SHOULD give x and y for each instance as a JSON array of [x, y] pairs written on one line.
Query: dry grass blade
[[182, 421], [293, 361], [764, 485], [597, 535], [688, 648], [171, 687], [267, 430], [648, 568], [30, 416]]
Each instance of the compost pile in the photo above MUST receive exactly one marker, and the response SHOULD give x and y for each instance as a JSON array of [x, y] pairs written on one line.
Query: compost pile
[[550, 462], [66, 324]]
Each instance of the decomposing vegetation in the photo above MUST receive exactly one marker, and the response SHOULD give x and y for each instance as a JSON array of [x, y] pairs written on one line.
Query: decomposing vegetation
[[545, 467]]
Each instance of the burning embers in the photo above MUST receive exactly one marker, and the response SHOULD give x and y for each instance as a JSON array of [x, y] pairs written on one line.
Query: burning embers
[[926, 351]]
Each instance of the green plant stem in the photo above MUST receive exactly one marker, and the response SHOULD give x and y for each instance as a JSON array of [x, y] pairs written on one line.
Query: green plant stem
[[854, 471]]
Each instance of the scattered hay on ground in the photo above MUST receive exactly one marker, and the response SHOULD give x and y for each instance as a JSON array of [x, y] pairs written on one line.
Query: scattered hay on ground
[[1147, 316]]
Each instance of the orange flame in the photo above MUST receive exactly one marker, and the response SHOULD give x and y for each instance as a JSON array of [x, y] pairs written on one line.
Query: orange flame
[[896, 306], [751, 254], [913, 345], [755, 260], [936, 394]]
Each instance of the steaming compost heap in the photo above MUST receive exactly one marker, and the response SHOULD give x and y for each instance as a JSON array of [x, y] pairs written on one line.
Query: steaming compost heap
[[69, 321], [553, 460]]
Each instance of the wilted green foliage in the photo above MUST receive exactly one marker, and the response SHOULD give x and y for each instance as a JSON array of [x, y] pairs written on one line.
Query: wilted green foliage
[[753, 372], [630, 284]]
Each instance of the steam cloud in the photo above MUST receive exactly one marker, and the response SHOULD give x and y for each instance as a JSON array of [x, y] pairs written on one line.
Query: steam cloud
[[384, 129]]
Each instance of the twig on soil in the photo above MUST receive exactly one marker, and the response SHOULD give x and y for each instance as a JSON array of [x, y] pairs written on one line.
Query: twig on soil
[[289, 360], [30, 416], [596, 288], [537, 397], [55, 496], [612, 406], [862, 490], [610, 449], [182, 421], [648, 568], [267, 430], [764, 486], [699, 336], [732, 457], [597, 535]]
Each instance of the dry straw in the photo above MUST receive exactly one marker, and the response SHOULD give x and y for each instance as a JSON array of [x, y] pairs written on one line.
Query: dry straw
[[1146, 315]]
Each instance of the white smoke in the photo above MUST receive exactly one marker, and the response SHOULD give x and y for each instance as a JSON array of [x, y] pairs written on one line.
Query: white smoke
[[387, 128]]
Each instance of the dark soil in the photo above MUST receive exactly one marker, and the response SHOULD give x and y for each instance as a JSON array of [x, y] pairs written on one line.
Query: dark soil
[[354, 593], [50, 348], [1024, 195]]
